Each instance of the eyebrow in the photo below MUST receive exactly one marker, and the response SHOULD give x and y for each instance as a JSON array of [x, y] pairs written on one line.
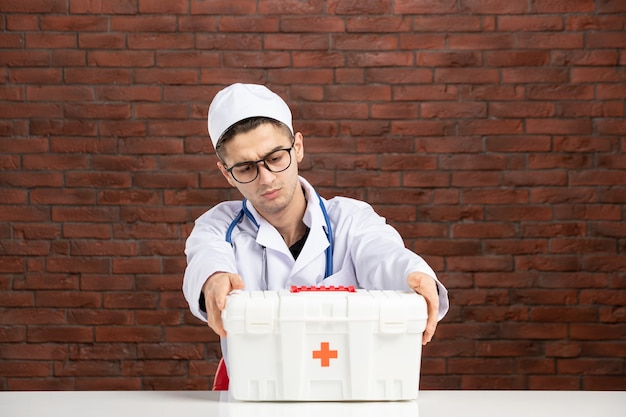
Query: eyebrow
[[278, 148]]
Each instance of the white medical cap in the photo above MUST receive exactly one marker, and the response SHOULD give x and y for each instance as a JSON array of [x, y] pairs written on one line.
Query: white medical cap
[[241, 101]]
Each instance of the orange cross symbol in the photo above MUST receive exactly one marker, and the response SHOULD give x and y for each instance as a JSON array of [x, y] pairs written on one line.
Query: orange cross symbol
[[325, 354]]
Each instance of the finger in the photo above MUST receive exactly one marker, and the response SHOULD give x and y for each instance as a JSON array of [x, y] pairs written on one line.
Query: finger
[[214, 319], [211, 290], [431, 322], [432, 304], [236, 282], [427, 288]]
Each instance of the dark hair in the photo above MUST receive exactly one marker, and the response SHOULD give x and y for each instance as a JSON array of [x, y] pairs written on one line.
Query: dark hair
[[247, 125]]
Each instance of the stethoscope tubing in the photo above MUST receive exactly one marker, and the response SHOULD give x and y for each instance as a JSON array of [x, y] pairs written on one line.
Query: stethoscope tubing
[[244, 212]]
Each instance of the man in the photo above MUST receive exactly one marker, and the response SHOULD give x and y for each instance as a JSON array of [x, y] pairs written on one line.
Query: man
[[284, 233]]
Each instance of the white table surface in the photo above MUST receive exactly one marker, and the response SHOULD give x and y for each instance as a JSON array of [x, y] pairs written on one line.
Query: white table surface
[[207, 403]]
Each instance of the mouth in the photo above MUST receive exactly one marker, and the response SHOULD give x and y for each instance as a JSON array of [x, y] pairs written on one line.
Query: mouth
[[271, 194]]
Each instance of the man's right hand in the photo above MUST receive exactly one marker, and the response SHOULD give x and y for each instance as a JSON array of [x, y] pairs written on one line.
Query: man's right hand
[[215, 289]]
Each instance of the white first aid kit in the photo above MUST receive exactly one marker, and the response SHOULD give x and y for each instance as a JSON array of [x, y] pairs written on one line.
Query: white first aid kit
[[324, 344]]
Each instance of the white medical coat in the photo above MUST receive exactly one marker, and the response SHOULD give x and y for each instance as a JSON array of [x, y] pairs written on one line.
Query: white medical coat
[[368, 253]]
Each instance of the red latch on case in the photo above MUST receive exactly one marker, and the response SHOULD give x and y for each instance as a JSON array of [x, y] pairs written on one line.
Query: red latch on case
[[312, 288]]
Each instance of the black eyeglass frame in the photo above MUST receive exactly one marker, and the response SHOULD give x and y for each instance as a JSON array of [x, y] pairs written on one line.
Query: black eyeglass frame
[[264, 161]]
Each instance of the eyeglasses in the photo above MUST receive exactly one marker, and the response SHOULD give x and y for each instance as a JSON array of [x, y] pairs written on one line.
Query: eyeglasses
[[276, 161]]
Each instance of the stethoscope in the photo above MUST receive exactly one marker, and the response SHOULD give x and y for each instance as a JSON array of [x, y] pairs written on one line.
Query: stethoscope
[[244, 212]]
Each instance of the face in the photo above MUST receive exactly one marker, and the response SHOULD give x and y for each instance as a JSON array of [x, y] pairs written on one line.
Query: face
[[270, 192]]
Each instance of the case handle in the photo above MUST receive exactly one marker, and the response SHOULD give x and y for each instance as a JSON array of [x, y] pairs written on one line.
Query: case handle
[[312, 288]]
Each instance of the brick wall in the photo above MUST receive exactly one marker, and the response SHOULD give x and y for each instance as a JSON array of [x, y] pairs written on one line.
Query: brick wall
[[490, 133]]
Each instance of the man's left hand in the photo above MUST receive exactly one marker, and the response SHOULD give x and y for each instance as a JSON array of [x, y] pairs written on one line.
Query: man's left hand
[[426, 286]]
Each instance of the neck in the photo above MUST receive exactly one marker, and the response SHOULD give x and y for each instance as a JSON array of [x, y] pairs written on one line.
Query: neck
[[289, 221]]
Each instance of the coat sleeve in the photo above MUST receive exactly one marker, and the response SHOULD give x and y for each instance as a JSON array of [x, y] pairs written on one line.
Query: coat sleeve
[[380, 257], [207, 252]]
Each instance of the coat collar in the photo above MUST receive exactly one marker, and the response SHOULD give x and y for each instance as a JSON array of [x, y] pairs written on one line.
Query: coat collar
[[316, 243]]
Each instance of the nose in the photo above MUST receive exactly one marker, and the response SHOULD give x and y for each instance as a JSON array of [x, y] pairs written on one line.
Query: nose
[[265, 175]]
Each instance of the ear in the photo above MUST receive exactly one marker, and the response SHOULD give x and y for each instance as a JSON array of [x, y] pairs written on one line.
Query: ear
[[226, 174], [298, 145]]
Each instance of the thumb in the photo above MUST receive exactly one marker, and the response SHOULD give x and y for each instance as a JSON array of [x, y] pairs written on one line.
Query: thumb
[[236, 282]]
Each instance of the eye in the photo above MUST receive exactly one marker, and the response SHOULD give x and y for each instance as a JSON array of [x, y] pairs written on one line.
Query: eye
[[275, 157], [243, 168]]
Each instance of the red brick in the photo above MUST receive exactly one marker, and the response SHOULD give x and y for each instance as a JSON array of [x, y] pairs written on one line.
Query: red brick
[[74, 23], [101, 40], [447, 23], [97, 76], [30, 110], [425, 7], [48, 40], [68, 58], [507, 348], [24, 22], [480, 365], [607, 39], [136, 265], [35, 6], [134, 300], [35, 75], [530, 23], [399, 76], [297, 42], [144, 23], [394, 111], [13, 197], [550, 41], [606, 383], [361, 128], [76, 264], [325, 24], [97, 7], [190, 334], [153, 367], [551, 382], [422, 42], [57, 128], [63, 334], [121, 58], [12, 40], [584, 75], [585, 22], [591, 109], [449, 59], [596, 57], [516, 58], [54, 162], [116, 334], [160, 318], [380, 59], [555, 126], [25, 369], [16, 58], [534, 331], [579, 366], [155, 6], [585, 331], [519, 75], [358, 7], [483, 41], [225, 7], [551, 6], [107, 384], [248, 24], [453, 110]]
